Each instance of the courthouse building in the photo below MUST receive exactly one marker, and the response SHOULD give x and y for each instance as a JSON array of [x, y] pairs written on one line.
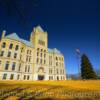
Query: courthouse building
[[30, 60]]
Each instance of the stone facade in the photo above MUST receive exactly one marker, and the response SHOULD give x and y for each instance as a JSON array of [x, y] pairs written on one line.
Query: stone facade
[[30, 60]]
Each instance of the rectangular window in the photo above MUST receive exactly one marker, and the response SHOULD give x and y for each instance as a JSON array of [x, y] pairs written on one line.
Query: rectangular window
[[19, 67], [0, 62], [25, 68], [28, 77], [13, 66], [40, 61], [41, 54], [28, 68], [24, 77], [7, 65], [37, 53], [44, 61], [4, 76], [9, 54], [29, 58], [12, 76], [26, 58], [18, 77]]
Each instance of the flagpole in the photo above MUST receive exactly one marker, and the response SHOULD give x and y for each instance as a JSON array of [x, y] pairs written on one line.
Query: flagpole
[[78, 55]]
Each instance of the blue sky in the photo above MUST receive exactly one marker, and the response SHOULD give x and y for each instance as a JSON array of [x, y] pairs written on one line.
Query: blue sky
[[70, 24]]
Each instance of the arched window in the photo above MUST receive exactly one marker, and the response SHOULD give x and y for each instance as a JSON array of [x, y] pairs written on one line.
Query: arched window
[[45, 51], [17, 47], [3, 45], [37, 49], [11, 46], [41, 50], [56, 58], [44, 55]]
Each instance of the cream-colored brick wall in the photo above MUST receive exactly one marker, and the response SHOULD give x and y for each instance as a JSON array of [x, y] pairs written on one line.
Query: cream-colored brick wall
[[52, 66]]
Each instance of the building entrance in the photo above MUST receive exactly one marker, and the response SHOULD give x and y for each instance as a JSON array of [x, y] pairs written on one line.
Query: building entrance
[[40, 77]]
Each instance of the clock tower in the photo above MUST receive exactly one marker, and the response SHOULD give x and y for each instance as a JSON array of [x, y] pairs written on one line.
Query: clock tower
[[39, 38]]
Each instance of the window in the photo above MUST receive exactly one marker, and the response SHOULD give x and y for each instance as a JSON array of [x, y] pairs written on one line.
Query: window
[[41, 42], [45, 51], [3, 45], [11, 46], [15, 55], [2, 53], [24, 77], [9, 54], [50, 77], [44, 61], [57, 77], [63, 78], [41, 54], [28, 77], [0, 62], [25, 68], [12, 76], [28, 68], [30, 52], [26, 58], [37, 49], [56, 63], [40, 61], [62, 59], [50, 71], [41, 50], [60, 71], [17, 47], [44, 55], [37, 53], [4, 76], [18, 77], [7, 65], [29, 59], [21, 49], [13, 66], [56, 58], [27, 51], [63, 71], [57, 71], [19, 67], [37, 60]]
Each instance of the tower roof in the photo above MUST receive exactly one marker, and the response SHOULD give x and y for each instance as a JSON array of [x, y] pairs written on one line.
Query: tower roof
[[39, 28]]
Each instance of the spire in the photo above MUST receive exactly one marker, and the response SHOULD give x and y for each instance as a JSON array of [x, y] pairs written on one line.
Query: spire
[[3, 34], [39, 29]]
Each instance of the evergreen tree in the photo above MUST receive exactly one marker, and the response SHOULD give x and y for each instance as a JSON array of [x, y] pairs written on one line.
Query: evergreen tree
[[87, 71]]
